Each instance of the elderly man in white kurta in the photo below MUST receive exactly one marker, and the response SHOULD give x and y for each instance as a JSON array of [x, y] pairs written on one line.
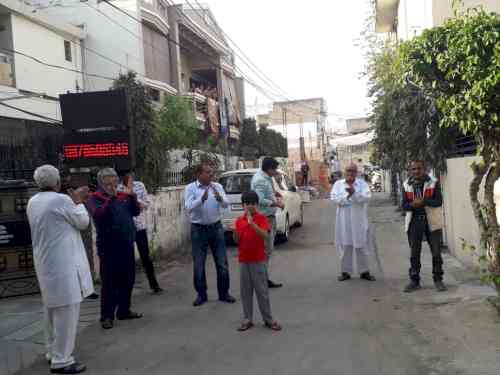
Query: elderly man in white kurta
[[352, 195], [61, 264]]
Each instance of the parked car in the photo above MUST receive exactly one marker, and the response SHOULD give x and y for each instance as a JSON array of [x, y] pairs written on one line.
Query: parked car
[[238, 181]]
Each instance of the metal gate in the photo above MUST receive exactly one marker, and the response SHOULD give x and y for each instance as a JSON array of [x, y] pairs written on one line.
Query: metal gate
[[17, 272]]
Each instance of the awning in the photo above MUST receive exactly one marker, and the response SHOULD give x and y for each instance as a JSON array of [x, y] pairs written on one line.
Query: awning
[[353, 140]]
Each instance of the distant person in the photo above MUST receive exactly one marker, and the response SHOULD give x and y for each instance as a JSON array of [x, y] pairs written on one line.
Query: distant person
[[204, 201], [61, 264], [113, 212], [141, 234], [269, 201], [352, 195], [422, 201], [252, 230], [304, 169]]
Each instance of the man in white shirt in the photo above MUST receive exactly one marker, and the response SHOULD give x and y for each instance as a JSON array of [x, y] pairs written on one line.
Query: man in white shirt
[[61, 264], [204, 201], [141, 234], [352, 195]]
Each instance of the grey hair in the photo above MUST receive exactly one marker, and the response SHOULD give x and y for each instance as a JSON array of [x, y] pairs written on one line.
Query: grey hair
[[47, 176], [105, 172]]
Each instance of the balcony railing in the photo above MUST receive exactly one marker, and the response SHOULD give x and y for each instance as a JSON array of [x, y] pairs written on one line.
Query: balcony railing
[[199, 103], [6, 70]]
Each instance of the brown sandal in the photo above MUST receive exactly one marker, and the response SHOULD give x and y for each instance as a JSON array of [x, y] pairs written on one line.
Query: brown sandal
[[245, 326], [273, 325]]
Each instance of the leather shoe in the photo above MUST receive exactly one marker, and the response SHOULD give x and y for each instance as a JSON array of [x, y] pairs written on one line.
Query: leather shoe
[[367, 276], [412, 286], [345, 276], [157, 290], [93, 296], [200, 301], [440, 287], [75, 368], [228, 298], [107, 324], [271, 284]]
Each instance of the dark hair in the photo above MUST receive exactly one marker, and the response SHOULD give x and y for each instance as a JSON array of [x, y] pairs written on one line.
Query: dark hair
[[421, 161], [199, 168], [269, 163], [249, 197]]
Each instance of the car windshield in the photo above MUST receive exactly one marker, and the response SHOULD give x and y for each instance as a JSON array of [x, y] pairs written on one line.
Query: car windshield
[[236, 184]]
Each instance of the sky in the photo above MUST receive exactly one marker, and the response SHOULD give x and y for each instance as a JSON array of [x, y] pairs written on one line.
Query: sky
[[308, 48]]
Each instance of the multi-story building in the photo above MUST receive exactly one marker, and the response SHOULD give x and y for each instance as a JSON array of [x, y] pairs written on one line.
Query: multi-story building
[[174, 50], [408, 18], [40, 58]]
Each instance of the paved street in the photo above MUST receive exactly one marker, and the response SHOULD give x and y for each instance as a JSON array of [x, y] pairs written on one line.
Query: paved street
[[351, 328]]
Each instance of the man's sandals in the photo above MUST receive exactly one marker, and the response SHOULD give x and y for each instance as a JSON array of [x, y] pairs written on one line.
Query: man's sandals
[[245, 326]]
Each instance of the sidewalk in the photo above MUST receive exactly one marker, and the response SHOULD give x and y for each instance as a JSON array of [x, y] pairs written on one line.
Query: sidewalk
[[21, 326]]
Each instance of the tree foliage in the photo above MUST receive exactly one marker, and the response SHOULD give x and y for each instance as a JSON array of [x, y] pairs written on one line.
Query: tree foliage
[[406, 119], [150, 156], [263, 142], [458, 64]]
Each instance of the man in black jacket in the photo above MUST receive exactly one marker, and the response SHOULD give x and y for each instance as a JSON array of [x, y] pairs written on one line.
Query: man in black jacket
[[422, 201]]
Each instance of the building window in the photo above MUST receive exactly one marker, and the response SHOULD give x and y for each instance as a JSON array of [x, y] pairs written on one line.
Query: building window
[[67, 51]]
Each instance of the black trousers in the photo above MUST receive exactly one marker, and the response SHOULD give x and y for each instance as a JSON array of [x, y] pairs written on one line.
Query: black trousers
[[419, 228], [117, 266], [142, 242]]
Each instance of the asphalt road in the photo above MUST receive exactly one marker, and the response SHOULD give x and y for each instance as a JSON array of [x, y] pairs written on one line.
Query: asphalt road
[[351, 328]]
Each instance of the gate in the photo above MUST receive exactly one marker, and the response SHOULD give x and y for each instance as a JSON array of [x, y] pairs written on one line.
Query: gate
[[17, 272]]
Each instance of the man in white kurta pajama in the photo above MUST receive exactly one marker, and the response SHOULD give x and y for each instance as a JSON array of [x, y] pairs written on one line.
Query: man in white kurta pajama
[[351, 230], [61, 264]]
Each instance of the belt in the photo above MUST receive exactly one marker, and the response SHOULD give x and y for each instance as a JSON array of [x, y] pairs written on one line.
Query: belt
[[207, 226]]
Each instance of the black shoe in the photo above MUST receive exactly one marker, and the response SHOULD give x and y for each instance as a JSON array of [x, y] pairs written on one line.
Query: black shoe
[[440, 287], [345, 276], [200, 301], [107, 324], [412, 286], [271, 284], [75, 368], [367, 276], [93, 296], [228, 298], [157, 290], [129, 316]]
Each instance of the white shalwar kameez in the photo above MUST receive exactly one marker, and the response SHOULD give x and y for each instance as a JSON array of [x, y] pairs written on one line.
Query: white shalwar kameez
[[62, 269], [352, 227]]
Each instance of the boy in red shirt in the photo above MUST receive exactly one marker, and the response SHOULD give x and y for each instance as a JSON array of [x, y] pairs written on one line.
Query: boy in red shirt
[[252, 228]]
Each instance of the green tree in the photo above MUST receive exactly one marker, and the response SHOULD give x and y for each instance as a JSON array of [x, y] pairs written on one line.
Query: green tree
[[150, 158], [272, 143], [249, 147], [458, 64]]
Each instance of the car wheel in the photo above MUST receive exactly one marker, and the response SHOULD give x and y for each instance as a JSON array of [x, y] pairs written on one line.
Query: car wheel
[[301, 219], [286, 234]]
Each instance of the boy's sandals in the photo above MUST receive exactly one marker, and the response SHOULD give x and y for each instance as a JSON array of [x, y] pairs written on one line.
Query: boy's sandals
[[273, 325], [245, 326]]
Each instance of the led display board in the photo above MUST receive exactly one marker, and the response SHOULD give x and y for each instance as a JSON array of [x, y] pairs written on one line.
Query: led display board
[[96, 130]]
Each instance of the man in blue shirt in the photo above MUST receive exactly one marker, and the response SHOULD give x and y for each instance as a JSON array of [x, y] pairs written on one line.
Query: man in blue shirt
[[204, 202], [269, 202]]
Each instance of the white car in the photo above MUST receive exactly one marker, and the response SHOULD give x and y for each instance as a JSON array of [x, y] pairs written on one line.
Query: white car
[[238, 181]]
